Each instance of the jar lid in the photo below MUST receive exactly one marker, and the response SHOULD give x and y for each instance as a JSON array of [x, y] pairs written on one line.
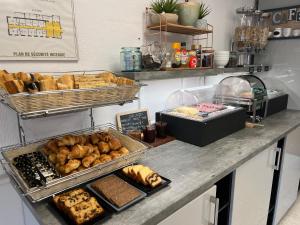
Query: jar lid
[[176, 45]]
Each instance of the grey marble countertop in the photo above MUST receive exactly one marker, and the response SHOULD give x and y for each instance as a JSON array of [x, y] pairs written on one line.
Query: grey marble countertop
[[192, 170]]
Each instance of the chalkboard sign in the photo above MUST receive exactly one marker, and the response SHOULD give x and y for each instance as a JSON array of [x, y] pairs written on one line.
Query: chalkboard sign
[[133, 120]]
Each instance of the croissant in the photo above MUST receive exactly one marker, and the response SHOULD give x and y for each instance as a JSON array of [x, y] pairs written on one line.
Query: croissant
[[94, 139], [82, 140], [62, 155], [52, 146], [115, 154], [104, 136], [52, 158], [88, 160], [123, 151], [71, 165], [105, 158], [78, 152], [114, 144], [90, 148], [68, 140], [103, 147]]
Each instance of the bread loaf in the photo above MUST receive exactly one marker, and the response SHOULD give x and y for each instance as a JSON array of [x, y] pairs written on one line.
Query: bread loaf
[[14, 86], [48, 85]]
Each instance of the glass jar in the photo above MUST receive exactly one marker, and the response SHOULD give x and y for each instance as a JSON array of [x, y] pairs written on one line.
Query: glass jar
[[131, 59], [208, 58]]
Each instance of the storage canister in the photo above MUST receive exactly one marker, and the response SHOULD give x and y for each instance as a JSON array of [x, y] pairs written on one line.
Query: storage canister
[[131, 59]]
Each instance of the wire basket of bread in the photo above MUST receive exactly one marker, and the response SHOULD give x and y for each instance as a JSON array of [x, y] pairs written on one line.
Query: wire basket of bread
[[76, 158], [36, 92]]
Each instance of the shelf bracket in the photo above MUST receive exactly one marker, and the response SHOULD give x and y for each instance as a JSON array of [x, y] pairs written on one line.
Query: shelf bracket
[[92, 118], [21, 130]]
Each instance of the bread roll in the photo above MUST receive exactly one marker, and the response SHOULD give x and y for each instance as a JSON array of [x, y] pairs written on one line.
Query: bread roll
[[22, 76], [48, 85], [123, 151], [67, 81], [95, 138]]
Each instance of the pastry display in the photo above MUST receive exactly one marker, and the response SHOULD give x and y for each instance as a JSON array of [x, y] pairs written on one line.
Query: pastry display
[[116, 190], [20, 82], [78, 205], [143, 174], [35, 169], [71, 153]]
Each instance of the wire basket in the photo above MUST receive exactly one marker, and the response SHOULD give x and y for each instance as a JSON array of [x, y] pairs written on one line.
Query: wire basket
[[63, 100], [36, 194]]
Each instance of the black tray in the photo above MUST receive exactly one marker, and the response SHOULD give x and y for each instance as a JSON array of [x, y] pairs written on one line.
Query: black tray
[[116, 208], [108, 211], [147, 189]]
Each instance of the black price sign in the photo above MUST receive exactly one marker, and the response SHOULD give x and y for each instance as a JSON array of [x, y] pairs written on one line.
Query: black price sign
[[133, 120]]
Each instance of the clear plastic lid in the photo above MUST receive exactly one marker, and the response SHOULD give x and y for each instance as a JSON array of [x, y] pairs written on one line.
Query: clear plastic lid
[[190, 97], [242, 87]]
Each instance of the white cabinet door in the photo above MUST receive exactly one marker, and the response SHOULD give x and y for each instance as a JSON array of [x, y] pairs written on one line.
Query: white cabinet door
[[200, 211], [290, 175], [252, 189]]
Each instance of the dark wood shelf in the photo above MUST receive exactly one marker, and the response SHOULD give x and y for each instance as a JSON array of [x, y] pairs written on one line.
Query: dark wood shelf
[[179, 29]]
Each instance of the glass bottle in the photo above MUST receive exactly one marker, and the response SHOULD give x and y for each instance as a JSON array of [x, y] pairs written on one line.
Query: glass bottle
[[176, 55], [184, 55]]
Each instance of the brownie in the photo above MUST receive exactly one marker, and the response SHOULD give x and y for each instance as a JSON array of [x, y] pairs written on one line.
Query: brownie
[[116, 190]]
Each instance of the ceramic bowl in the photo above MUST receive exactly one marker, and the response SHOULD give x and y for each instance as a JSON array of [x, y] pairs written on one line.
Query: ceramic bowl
[[287, 32], [296, 32]]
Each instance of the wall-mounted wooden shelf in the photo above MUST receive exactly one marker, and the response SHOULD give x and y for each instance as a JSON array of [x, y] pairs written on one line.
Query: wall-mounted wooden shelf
[[179, 29]]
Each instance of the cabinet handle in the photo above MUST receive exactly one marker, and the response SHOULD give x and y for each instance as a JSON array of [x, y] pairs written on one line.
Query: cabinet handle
[[277, 162], [216, 202]]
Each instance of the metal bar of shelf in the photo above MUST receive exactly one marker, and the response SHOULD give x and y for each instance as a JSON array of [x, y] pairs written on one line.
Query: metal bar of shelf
[[59, 111], [186, 73]]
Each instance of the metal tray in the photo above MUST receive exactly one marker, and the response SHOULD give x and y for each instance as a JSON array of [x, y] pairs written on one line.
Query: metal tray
[[137, 150], [142, 196], [147, 189]]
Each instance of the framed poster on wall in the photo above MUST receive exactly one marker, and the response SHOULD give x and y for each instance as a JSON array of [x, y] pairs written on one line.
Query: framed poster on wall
[[37, 30]]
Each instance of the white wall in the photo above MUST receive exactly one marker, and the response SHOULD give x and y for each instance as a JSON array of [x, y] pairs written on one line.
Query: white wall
[[103, 27], [284, 56]]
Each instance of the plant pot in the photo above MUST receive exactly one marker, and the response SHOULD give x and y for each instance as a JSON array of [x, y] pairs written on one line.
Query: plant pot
[[188, 13], [163, 18], [201, 24]]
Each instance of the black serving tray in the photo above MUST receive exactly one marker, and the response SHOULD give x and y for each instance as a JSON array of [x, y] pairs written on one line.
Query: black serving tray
[[108, 212], [117, 209], [147, 189], [206, 132]]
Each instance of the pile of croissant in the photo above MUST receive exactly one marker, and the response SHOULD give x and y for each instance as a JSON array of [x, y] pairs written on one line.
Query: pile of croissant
[[72, 154]]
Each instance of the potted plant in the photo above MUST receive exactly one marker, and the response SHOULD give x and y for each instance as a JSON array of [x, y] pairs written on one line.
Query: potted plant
[[204, 11], [188, 12], [164, 11]]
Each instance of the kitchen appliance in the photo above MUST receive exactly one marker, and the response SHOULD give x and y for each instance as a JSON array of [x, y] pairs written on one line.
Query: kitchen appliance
[[193, 117]]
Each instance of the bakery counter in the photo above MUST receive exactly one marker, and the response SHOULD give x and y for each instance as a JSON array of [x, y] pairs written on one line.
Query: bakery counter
[[192, 170]]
